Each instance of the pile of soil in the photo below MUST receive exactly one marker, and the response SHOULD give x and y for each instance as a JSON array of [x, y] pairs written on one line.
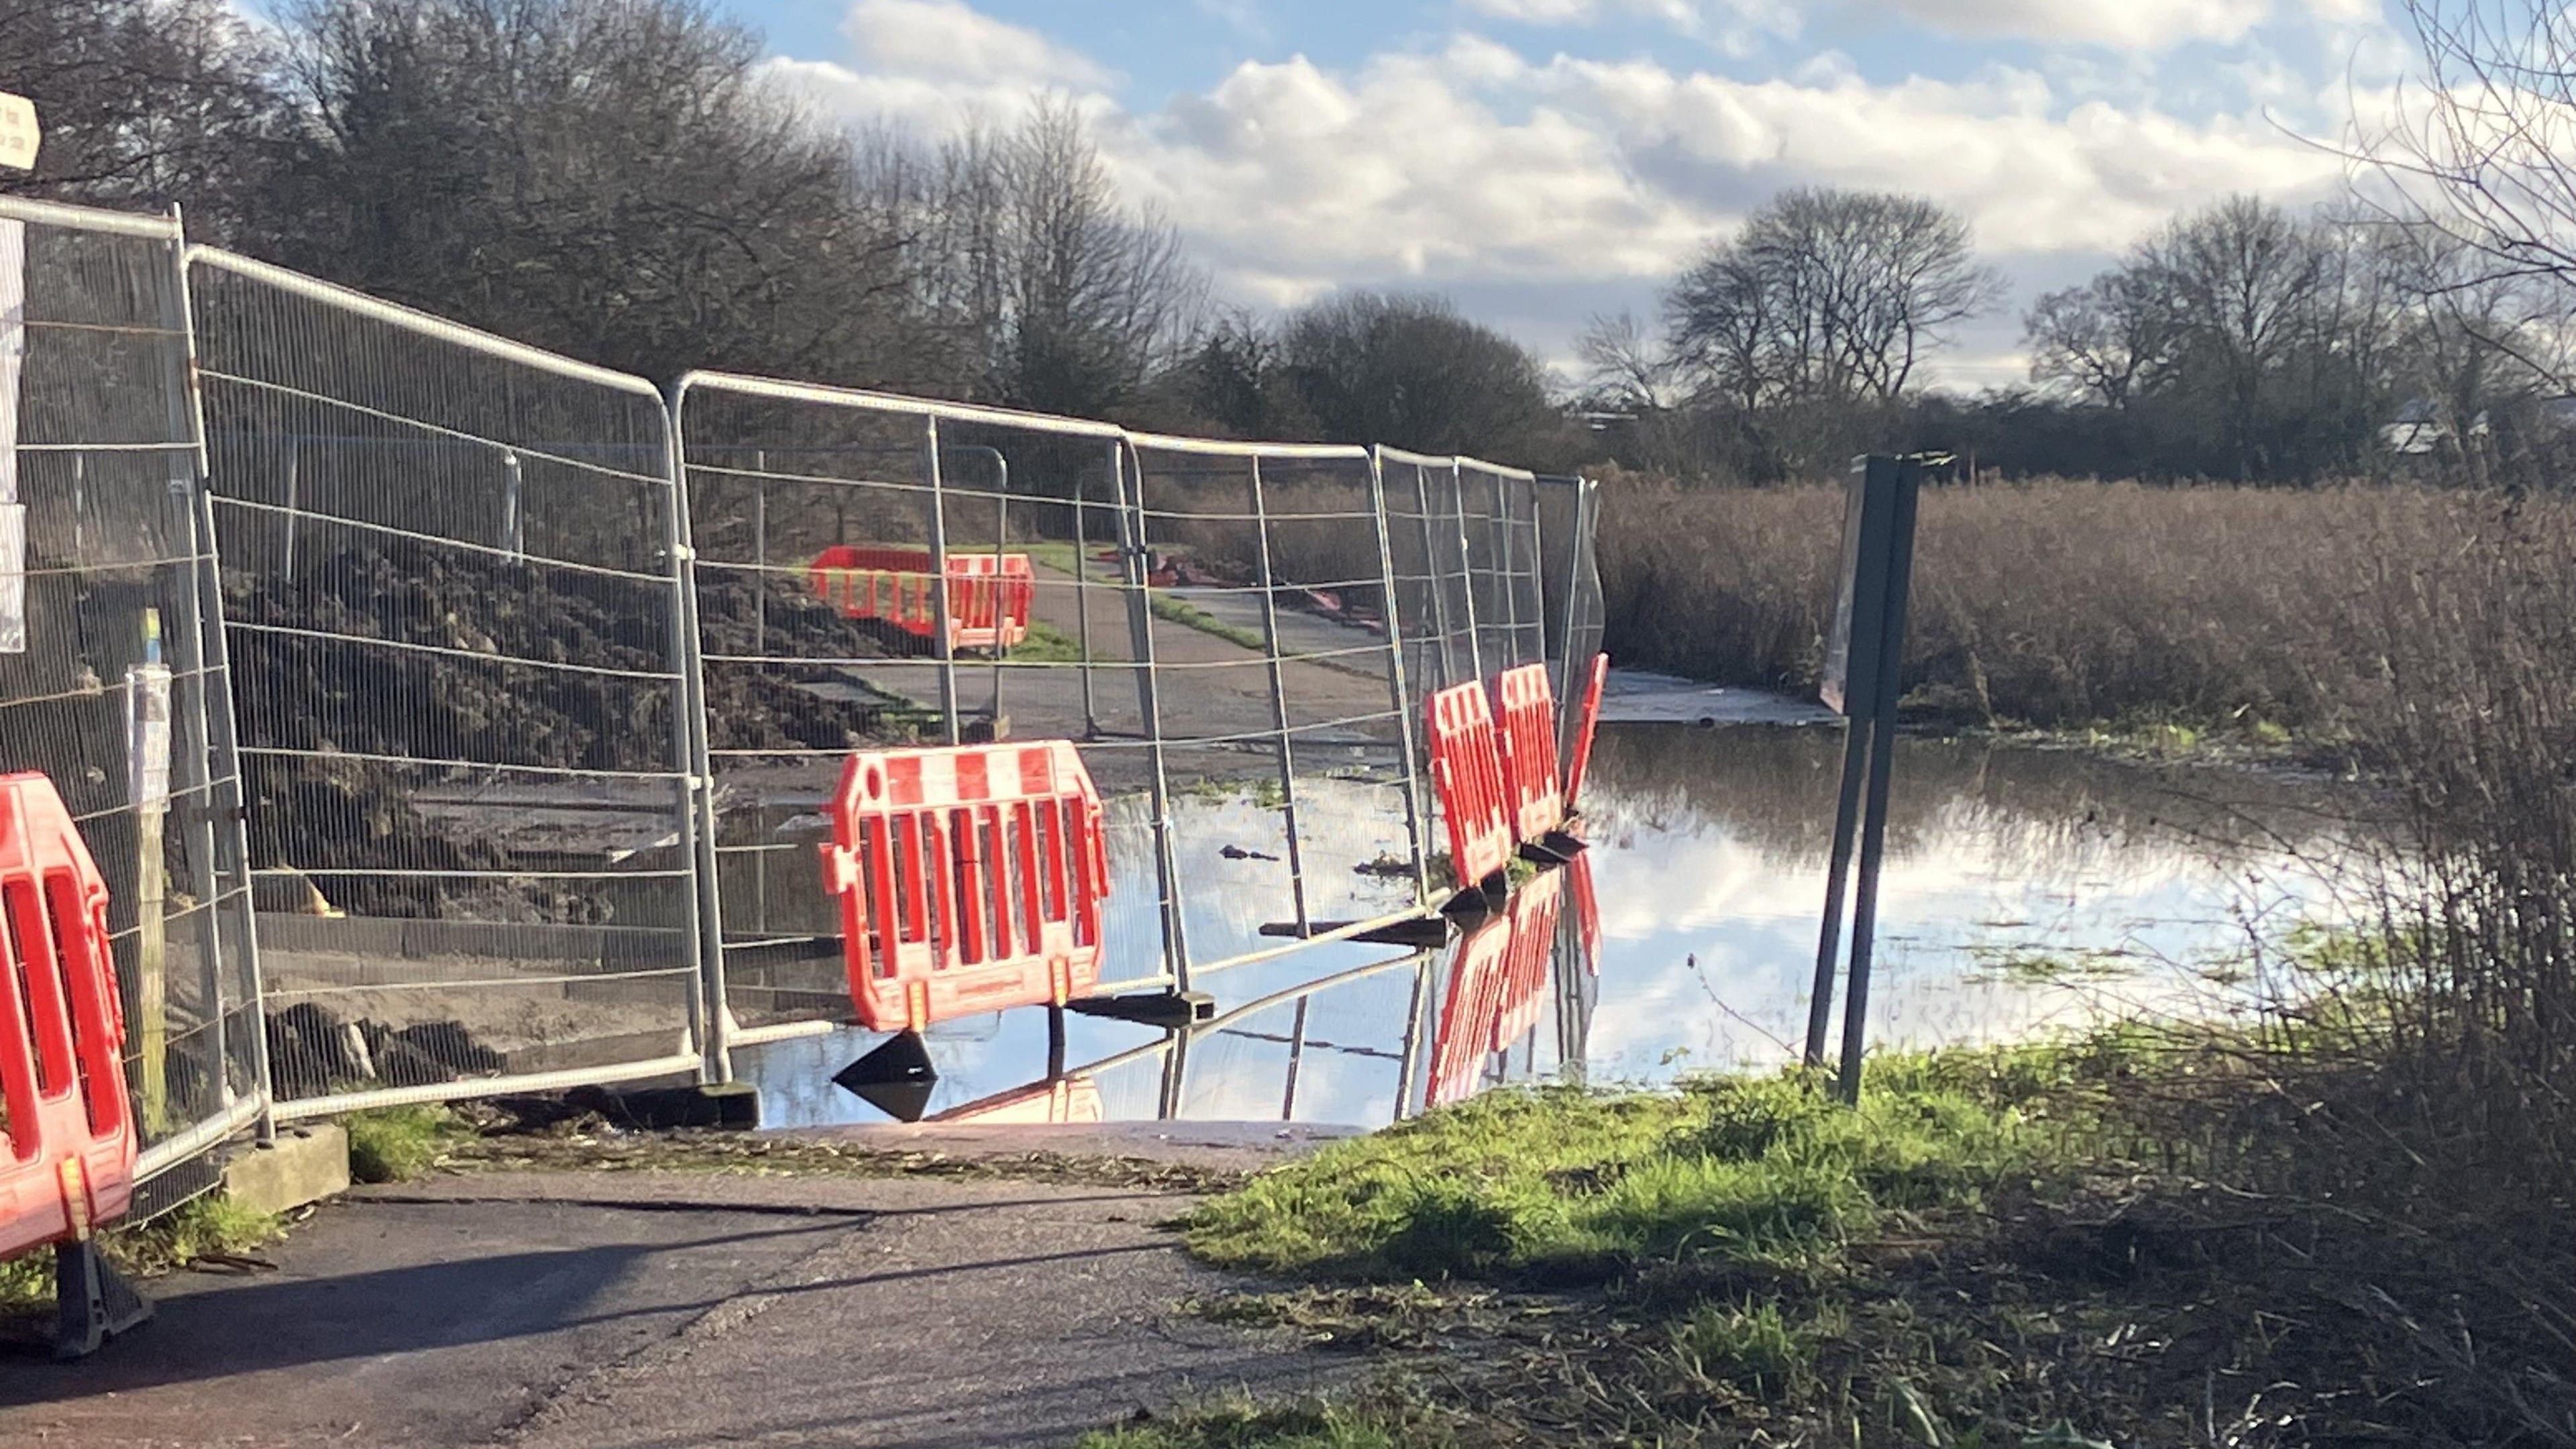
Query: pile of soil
[[311, 676]]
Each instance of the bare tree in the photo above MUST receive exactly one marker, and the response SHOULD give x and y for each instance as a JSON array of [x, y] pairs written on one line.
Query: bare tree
[[1624, 367], [2098, 339], [1834, 294], [1051, 291], [144, 102], [613, 178]]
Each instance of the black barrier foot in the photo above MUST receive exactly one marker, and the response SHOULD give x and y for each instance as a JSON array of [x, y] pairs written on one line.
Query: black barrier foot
[[1168, 1009], [1419, 933], [93, 1301], [1469, 906], [895, 1078], [1554, 848]]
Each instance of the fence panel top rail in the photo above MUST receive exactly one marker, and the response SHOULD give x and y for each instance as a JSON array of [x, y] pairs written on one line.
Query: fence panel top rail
[[90, 218], [427, 323], [783, 390], [1231, 448]]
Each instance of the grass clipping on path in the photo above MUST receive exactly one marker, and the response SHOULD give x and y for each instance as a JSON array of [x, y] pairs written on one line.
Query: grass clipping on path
[[1979, 1256]]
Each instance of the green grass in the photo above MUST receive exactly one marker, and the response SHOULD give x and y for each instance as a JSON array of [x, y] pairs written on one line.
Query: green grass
[[200, 1228], [1701, 1265], [392, 1144], [1047, 644], [1559, 1186], [1191, 616]]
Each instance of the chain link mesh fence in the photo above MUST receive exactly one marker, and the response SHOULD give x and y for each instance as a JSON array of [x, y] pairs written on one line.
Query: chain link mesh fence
[[449, 595], [111, 672]]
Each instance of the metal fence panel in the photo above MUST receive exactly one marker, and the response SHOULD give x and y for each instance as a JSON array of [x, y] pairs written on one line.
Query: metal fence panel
[[1570, 519], [1498, 516], [1282, 727], [450, 599], [111, 676], [803, 662]]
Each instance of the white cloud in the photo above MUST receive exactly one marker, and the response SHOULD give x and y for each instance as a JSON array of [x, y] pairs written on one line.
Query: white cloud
[[1733, 25], [948, 37], [2123, 24], [933, 65], [1545, 189]]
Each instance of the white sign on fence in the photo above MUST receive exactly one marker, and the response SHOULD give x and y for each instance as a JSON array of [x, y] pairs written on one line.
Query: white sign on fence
[[147, 736], [19, 133]]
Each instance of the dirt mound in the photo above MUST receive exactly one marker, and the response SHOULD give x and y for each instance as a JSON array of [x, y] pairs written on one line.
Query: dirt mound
[[313, 674]]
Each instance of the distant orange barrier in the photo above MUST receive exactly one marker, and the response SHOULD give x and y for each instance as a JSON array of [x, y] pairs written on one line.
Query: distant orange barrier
[[1525, 716], [970, 879], [67, 1151], [1467, 775], [1587, 720], [989, 595]]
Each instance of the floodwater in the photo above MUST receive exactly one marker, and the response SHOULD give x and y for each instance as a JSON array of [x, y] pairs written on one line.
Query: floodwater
[[2025, 889]]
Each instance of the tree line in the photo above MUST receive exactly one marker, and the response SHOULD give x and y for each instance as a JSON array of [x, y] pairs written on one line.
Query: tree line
[[2241, 342], [622, 181]]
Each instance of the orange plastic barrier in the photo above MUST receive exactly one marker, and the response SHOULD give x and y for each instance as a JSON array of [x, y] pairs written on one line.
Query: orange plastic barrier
[[1536, 908], [1467, 774], [989, 598], [67, 1153], [970, 880], [1587, 719], [1464, 1036], [989, 595], [1525, 710]]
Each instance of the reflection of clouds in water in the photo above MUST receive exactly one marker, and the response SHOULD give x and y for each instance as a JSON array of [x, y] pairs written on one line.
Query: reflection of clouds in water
[[1714, 849], [1711, 847]]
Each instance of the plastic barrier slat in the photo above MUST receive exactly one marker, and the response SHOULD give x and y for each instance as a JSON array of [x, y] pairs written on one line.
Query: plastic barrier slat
[[1525, 714], [67, 1152], [1586, 721], [970, 879], [1535, 910], [1469, 1008], [1467, 775]]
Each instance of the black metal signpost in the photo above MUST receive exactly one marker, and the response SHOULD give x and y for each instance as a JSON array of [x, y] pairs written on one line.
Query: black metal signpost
[[1863, 660]]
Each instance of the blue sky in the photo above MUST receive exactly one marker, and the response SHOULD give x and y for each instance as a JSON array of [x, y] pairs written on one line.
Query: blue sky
[[1542, 160]]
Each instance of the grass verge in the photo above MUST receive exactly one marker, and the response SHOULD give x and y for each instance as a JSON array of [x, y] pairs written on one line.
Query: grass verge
[[202, 1228], [393, 1144], [2047, 1245], [1047, 644], [1191, 616]]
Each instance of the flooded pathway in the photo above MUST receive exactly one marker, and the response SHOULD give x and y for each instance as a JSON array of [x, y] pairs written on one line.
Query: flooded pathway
[[2026, 889]]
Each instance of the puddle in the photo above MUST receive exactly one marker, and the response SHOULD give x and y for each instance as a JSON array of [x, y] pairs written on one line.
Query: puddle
[[2024, 889]]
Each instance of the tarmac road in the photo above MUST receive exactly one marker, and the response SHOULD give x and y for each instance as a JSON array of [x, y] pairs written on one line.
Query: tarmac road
[[655, 1310]]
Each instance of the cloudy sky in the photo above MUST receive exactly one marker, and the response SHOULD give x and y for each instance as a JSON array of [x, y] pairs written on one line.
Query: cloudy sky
[[1543, 160]]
